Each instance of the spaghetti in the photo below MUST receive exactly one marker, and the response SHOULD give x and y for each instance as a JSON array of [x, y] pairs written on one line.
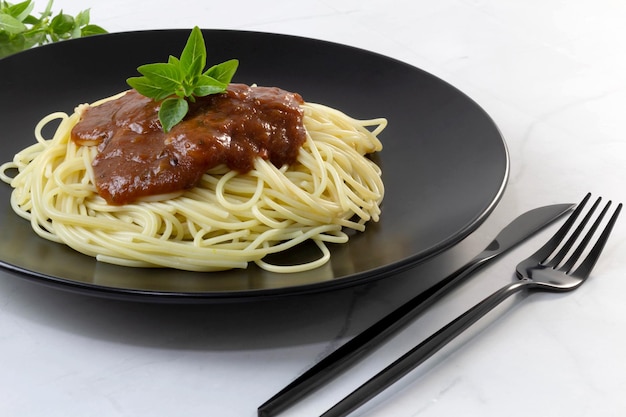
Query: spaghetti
[[227, 220]]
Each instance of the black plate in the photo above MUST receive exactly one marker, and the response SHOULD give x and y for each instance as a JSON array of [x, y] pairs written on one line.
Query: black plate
[[445, 163]]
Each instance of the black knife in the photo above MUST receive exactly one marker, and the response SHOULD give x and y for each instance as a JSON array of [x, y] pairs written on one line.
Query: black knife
[[515, 233]]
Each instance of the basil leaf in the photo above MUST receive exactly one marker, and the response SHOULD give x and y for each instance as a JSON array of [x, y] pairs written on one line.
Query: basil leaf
[[8, 47], [61, 24], [11, 25], [208, 85], [31, 20], [32, 38], [146, 87], [223, 72], [172, 111], [193, 57], [90, 30], [20, 10], [167, 76], [82, 18], [20, 30]]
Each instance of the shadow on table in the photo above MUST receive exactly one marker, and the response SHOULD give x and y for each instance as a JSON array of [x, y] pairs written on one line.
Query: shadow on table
[[264, 324]]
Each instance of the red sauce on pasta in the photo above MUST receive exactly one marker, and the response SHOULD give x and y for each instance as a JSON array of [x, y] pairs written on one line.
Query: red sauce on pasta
[[137, 159]]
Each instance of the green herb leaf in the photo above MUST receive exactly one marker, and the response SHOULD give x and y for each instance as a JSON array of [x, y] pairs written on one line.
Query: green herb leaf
[[11, 25], [82, 18], [208, 85], [223, 72], [181, 80], [62, 24], [20, 10], [148, 88], [90, 30], [167, 76], [20, 30], [32, 20], [193, 57], [172, 111]]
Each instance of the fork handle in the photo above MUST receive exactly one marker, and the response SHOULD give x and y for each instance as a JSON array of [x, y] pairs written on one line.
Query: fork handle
[[421, 352]]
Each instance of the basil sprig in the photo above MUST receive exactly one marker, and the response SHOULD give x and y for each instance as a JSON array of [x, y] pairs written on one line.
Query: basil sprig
[[20, 29], [180, 80]]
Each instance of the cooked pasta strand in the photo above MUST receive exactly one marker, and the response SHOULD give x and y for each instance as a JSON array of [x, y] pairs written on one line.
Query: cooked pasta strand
[[227, 221]]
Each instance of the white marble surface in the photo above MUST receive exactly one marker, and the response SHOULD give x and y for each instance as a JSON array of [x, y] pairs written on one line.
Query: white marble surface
[[551, 73]]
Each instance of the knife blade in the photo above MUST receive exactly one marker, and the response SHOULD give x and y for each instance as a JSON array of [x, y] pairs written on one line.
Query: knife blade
[[516, 232]]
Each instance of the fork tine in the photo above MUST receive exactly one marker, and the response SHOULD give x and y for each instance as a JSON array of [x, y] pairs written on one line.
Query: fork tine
[[589, 262], [546, 250], [567, 266], [558, 258]]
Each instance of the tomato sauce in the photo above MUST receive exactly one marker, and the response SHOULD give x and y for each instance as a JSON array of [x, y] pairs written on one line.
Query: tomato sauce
[[137, 159]]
